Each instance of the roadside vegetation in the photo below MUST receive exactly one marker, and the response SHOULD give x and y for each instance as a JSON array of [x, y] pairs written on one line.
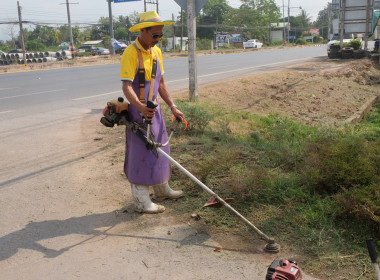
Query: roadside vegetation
[[316, 190]]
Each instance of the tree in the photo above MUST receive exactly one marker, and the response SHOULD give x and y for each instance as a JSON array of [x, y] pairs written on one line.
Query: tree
[[35, 45], [303, 20], [254, 16], [322, 20], [212, 13]]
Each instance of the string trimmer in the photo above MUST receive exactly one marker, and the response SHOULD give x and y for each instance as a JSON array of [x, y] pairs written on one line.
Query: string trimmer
[[116, 112]]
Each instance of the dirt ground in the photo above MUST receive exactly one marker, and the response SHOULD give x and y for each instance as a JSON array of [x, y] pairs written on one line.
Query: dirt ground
[[323, 92]]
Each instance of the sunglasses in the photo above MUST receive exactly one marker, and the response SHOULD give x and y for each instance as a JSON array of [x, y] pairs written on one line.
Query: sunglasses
[[157, 36]]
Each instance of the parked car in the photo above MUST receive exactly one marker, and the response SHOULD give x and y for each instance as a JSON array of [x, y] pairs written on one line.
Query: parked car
[[2, 53], [86, 49], [119, 50], [15, 51], [101, 51], [253, 43], [336, 39]]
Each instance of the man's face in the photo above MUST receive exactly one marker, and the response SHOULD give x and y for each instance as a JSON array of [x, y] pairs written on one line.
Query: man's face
[[152, 36]]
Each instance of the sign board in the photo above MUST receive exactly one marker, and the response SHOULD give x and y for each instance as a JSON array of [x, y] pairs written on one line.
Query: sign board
[[357, 15], [335, 6], [376, 5], [356, 28], [236, 38], [356, 3], [222, 38], [121, 1], [198, 4]]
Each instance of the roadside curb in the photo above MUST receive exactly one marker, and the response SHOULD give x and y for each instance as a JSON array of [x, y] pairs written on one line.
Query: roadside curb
[[358, 116]]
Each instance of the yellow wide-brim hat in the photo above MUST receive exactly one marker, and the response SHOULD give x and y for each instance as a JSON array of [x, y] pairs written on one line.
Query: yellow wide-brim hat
[[149, 19]]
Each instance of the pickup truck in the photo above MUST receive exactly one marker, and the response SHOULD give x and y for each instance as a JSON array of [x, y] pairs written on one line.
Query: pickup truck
[[336, 39]]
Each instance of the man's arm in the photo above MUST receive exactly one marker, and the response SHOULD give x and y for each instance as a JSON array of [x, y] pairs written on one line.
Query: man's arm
[[132, 98], [163, 90]]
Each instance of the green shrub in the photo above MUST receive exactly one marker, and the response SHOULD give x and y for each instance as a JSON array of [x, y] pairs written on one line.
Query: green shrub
[[333, 165], [301, 41], [362, 202], [203, 44], [277, 43], [356, 44], [197, 118]]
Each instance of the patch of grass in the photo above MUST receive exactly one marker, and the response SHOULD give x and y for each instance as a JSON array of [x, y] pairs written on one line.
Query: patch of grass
[[316, 190], [370, 126]]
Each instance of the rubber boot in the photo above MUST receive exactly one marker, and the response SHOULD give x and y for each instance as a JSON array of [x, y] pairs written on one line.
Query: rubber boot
[[142, 201], [163, 191]]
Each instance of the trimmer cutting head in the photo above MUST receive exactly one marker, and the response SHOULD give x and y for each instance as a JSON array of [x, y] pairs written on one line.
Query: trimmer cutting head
[[214, 202]]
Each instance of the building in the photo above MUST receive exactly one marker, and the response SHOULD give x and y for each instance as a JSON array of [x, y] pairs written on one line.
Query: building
[[279, 31], [177, 43]]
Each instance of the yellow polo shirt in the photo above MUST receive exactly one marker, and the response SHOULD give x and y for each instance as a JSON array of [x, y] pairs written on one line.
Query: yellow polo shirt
[[129, 62]]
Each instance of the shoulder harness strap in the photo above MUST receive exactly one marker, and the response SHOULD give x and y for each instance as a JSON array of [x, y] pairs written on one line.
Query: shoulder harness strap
[[141, 73]]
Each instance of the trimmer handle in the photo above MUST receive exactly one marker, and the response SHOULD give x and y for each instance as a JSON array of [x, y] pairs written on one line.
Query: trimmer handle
[[152, 105], [371, 250]]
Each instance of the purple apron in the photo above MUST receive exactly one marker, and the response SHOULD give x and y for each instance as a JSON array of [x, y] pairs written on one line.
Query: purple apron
[[141, 166]]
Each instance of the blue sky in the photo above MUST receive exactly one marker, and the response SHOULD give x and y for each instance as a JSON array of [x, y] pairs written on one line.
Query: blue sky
[[89, 11]]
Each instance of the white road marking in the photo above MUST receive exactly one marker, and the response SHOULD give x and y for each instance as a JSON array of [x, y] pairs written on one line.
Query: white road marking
[[5, 112], [28, 94], [253, 67], [94, 96], [5, 88]]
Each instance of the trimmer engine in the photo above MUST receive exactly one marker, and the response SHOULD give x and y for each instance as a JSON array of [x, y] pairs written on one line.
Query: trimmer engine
[[116, 112], [283, 270]]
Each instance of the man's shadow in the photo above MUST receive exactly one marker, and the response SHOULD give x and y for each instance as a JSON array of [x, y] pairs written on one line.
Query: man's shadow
[[34, 232]]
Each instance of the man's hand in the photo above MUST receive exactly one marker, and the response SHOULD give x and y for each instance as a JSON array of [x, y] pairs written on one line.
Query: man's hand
[[178, 114], [148, 113]]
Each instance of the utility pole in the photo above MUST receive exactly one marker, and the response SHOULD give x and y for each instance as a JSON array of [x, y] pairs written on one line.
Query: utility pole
[[191, 27], [180, 49], [367, 24], [342, 19], [283, 21], [21, 32], [71, 31], [111, 26], [288, 19], [270, 25], [153, 2], [329, 15], [173, 34]]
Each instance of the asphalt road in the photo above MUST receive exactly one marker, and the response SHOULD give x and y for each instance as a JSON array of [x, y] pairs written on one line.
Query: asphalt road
[[50, 210], [35, 91]]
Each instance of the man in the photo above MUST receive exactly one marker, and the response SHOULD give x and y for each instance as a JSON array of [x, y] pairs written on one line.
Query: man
[[141, 61]]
